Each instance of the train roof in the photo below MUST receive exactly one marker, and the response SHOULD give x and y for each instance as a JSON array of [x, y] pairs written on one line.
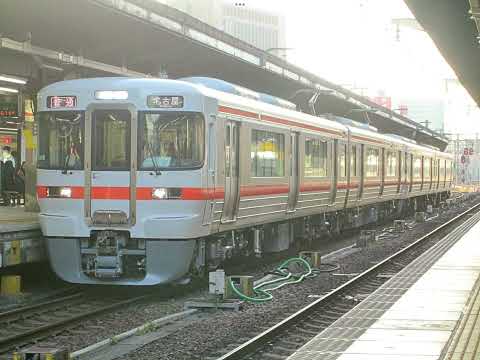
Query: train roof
[[140, 88]]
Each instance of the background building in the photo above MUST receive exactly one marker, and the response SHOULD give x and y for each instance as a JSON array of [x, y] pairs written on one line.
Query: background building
[[261, 28]]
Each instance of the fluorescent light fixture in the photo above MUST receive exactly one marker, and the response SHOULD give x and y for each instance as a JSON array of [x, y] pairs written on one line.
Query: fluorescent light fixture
[[9, 90], [51, 67], [12, 79], [111, 95]]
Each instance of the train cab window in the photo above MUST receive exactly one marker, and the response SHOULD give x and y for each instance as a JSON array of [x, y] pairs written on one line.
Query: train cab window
[[426, 168], [315, 163], [391, 164], [373, 158], [111, 140], [170, 140], [267, 154], [353, 161], [61, 140]]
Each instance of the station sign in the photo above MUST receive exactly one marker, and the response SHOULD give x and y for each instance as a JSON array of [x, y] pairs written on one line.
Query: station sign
[[467, 151], [8, 106]]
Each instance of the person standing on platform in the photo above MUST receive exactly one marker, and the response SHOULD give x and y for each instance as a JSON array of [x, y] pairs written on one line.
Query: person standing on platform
[[7, 155]]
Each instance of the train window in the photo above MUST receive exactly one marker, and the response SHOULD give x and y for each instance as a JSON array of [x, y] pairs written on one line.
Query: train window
[[315, 163], [267, 154], [417, 167], [426, 168], [170, 140], [111, 140], [227, 151], [353, 161], [342, 150], [442, 170], [391, 165], [448, 167], [61, 140], [373, 156]]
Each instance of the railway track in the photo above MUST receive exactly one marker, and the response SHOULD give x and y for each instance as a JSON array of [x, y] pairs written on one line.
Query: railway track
[[284, 338], [30, 324]]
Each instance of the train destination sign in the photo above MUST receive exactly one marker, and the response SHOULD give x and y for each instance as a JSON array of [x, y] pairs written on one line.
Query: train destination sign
[[157, 101], [55, 102], [8, 106]]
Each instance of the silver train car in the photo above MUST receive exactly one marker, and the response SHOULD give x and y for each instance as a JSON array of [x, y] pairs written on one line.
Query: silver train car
[[145, 181]]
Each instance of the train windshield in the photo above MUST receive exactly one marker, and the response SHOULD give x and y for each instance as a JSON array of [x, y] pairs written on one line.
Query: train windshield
[[171, 140], [61, 140]]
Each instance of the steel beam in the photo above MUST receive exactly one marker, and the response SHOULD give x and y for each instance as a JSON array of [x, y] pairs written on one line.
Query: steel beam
[[26, 47]]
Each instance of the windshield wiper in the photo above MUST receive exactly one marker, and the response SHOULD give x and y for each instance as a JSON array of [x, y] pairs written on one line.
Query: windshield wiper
[[155, 167], [65, 165]]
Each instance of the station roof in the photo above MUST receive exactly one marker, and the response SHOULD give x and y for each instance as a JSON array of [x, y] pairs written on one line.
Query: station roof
[[139, 37], [454, 26]]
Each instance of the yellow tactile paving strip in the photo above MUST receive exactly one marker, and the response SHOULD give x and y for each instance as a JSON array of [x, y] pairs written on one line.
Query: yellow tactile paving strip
[[465, 343]]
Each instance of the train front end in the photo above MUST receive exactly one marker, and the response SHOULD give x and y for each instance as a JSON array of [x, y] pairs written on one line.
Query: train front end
[[119, 180]]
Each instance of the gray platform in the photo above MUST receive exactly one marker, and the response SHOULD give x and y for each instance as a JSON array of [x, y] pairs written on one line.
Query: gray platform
[[414, 314], [20, 237]]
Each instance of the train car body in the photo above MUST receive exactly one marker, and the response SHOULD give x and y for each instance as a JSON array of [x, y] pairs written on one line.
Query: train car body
[[140, 181]]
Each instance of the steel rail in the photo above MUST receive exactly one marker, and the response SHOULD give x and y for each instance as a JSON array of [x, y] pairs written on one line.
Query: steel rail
[[45, 304], [249, 347], [10, 342]]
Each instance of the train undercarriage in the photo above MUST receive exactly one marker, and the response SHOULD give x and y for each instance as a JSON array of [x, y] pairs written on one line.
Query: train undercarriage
[[112, 255], [302, 232]]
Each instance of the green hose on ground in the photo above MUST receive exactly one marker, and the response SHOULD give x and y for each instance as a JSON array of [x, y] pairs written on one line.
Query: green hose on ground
[[286, 278]]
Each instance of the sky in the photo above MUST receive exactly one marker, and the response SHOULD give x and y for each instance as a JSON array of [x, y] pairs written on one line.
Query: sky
[[355, 44]]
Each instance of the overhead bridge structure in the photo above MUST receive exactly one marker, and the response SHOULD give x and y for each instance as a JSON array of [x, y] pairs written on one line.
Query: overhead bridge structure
[[62, 39]]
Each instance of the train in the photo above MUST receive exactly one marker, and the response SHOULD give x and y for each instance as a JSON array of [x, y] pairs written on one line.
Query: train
[[144, 181]]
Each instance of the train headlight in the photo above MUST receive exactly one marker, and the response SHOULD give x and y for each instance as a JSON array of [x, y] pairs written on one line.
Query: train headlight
[[59, 192], [66, 192], [166, 193], [159, 193]]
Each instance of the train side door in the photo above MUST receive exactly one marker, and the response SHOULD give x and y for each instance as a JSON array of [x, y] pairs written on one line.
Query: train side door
[[362, 171], [211, 169], [232, 170], [335, 164], [404, 172], [294, 172], [410, 171], [382, 171], [400, 176]]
